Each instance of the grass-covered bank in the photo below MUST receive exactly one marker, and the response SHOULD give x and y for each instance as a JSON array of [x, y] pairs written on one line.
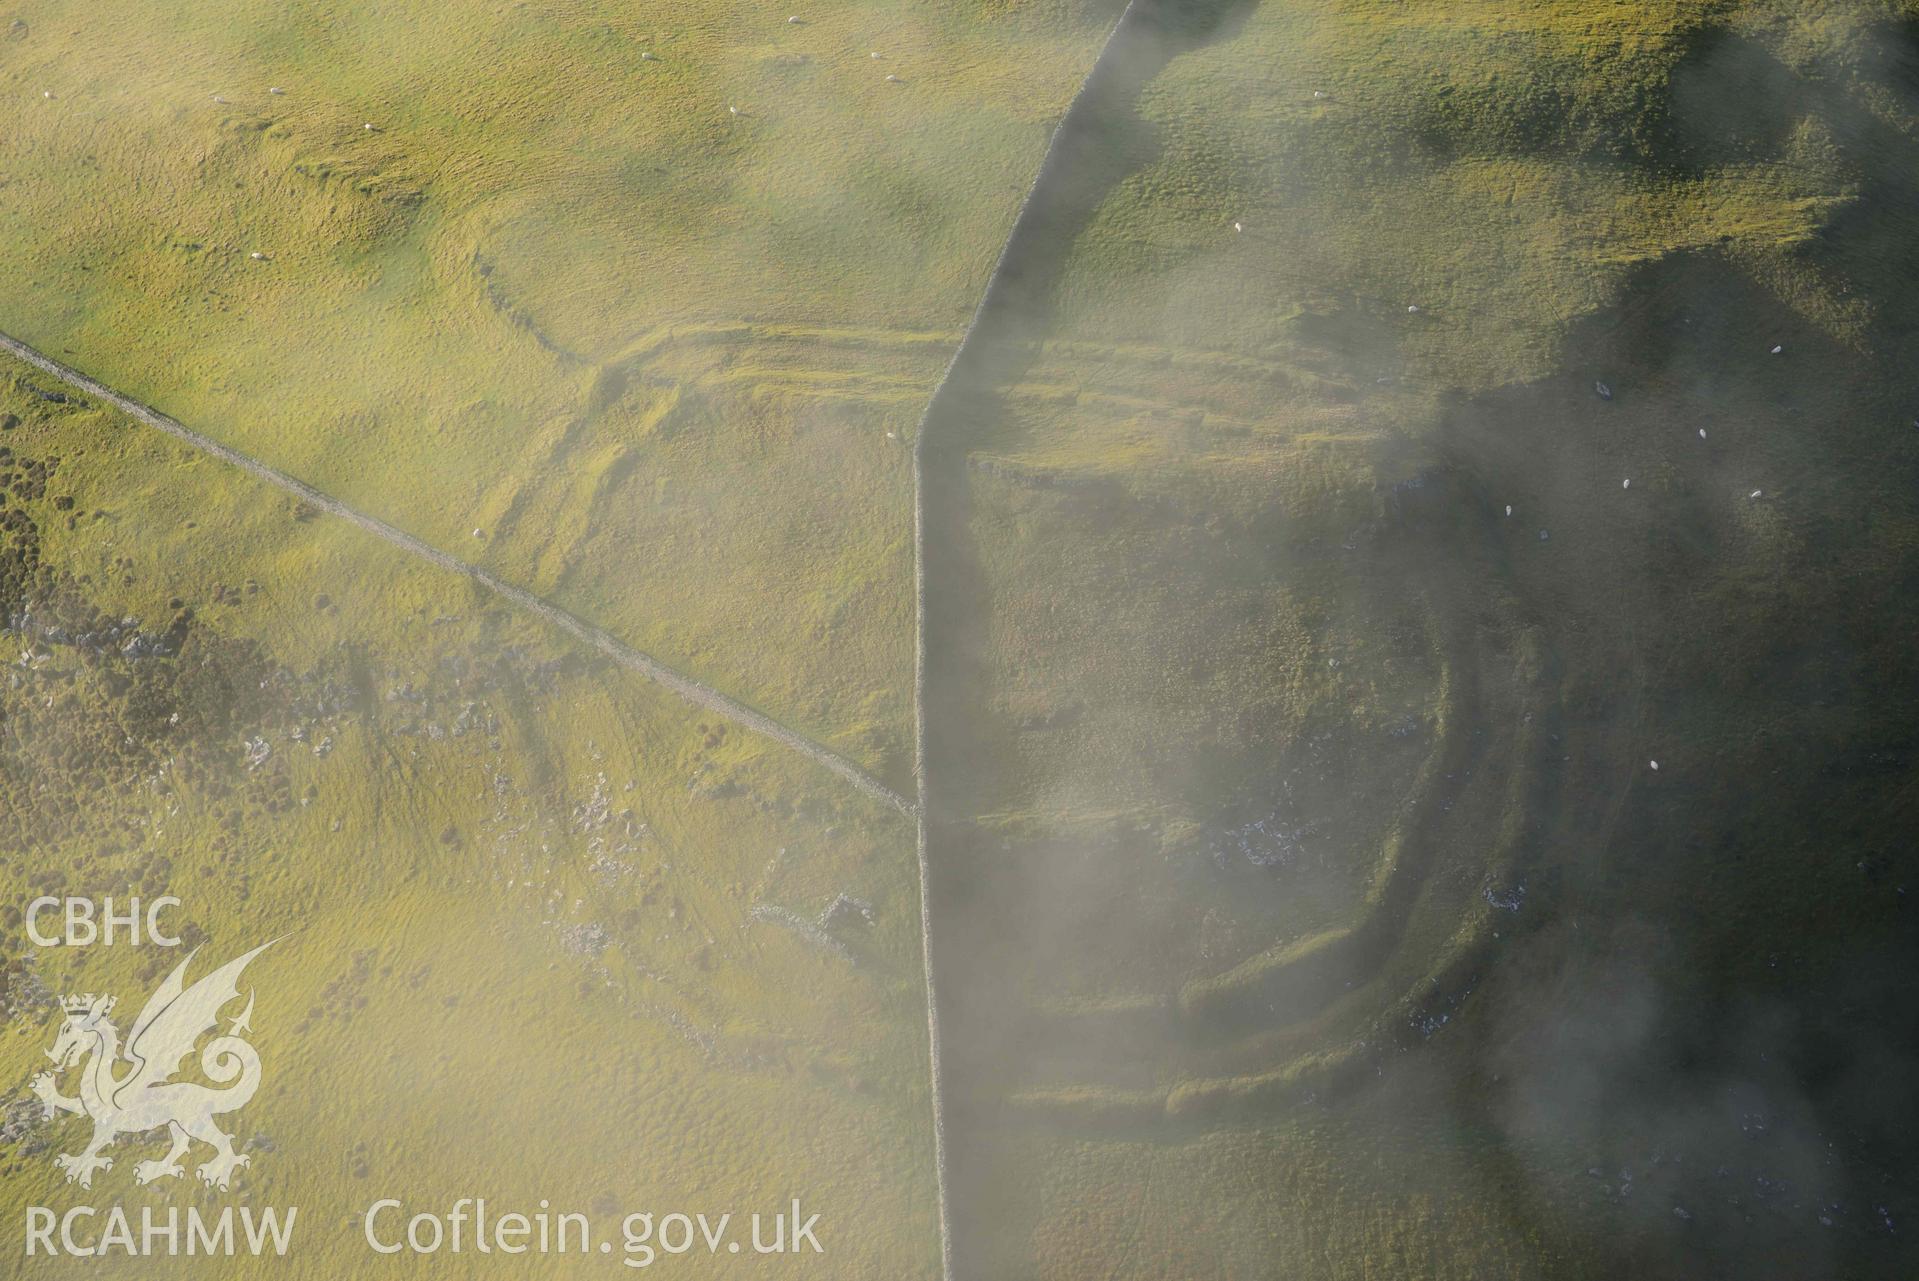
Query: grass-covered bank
[[1401, 637]]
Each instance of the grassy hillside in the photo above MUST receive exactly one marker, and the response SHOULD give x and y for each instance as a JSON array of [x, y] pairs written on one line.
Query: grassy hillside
[[529, 269], [1345, 703], [1419, 561], [548, 930]]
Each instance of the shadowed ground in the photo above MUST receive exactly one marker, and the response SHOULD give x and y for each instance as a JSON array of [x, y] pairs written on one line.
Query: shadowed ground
[[1303, 629]]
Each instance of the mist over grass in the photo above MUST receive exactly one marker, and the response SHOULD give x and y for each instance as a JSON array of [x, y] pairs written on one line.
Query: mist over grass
[[1395, 808], [1365, 745]]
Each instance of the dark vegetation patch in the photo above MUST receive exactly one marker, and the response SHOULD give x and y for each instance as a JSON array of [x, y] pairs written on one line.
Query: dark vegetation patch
[[105, 719]]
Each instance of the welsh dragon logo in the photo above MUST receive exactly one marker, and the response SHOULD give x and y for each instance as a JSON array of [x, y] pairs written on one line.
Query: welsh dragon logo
[[129, 1090]]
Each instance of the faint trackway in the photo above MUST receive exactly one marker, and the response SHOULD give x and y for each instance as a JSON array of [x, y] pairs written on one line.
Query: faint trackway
[[619, 651]]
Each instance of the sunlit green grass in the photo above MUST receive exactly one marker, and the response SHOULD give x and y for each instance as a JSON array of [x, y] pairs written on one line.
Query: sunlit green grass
[[533, 906], [544, 193]]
